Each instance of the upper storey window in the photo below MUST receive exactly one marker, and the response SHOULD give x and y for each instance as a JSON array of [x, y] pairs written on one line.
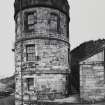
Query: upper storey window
[[30, 21], [18, 27], [54, 22], [30, 52]]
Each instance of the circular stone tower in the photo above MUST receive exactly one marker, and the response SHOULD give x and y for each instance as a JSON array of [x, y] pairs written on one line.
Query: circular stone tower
[[41, 50]]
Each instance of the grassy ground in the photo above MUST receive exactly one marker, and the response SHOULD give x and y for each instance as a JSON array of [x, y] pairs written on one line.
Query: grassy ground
[[7, 100], [101, 103], [10, 101]]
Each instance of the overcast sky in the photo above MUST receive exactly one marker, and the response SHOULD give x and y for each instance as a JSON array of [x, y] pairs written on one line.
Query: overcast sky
[[87, 23]]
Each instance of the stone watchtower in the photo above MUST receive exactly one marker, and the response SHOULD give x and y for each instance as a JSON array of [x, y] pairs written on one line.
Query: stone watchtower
[[41, 50]]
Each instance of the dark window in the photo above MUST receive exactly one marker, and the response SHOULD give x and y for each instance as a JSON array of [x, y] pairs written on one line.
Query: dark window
[[30, 20], [30, 83], [30, 52], [54, 22]]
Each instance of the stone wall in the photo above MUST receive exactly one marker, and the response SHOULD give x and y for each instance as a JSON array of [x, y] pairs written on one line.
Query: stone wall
[[42, 28], [50, 69], [92, 78]]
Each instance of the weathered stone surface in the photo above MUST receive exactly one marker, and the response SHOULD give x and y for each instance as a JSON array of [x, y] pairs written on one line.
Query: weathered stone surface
[[58, 4], [46, 29], [42, 28], [92, 78]]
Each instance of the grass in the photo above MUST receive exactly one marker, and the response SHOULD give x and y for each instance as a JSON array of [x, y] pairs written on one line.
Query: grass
[[11, 101], [7, 100]]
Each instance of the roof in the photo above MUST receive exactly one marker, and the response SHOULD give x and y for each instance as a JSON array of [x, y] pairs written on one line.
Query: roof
[[98, 50], [61, 5], [86, 50]]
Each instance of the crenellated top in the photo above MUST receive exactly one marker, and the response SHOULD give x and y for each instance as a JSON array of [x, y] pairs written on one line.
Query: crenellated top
[[61, 5]]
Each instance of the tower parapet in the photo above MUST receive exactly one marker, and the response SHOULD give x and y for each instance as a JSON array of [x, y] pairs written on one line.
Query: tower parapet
[[61, 5]]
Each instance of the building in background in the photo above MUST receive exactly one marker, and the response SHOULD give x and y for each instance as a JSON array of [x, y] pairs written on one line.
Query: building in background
[[92, 76], [41, 50], [88, 70]]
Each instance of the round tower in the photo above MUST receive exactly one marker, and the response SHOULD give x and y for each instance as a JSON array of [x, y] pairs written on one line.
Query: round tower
[[41, 50]]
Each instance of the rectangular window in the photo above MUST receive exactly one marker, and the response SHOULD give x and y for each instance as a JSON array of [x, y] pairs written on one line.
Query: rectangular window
[[54, 22], [30, 20], [30, 83], [30, 52]]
